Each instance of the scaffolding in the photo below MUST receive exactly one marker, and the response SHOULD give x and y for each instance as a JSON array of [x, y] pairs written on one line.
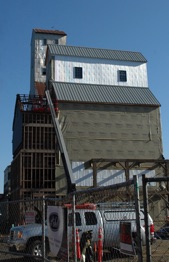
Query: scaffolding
[[36, 154], [35, 103]]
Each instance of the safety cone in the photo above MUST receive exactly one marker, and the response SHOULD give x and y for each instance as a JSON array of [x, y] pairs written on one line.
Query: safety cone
[[100, 245], [78, 252]]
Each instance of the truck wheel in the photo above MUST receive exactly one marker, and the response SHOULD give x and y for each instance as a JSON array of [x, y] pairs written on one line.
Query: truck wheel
[[35, 248]]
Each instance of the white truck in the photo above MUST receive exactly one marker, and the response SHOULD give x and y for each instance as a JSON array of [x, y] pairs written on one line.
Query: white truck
[[28, 238]]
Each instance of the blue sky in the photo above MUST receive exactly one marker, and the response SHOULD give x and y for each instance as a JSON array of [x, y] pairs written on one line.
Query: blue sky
[[132, 25]]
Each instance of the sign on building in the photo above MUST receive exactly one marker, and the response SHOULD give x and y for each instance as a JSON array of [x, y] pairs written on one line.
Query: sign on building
[[30, 217]]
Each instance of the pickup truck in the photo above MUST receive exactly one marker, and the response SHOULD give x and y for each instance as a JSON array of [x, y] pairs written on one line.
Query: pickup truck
[[28, 238]]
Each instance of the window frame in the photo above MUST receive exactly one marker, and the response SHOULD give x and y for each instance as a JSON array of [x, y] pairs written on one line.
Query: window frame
[[78, 72], [77, 219], [44, 41], [90, 218], [122, 75], [43, 70]]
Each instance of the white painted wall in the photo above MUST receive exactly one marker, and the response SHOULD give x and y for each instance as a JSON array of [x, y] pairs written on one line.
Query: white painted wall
[[100, 71]]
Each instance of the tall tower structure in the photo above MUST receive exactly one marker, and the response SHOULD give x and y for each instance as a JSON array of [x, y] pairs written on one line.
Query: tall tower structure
[[40, 39]]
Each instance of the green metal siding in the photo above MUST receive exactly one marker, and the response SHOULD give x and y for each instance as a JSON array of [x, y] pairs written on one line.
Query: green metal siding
[[113, 132]]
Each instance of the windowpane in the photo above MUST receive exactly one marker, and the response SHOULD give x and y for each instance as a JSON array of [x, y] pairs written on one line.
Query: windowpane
[[90, 218], [122, 76], [78, 219], [43, 71], [44, 41], [78, 72]]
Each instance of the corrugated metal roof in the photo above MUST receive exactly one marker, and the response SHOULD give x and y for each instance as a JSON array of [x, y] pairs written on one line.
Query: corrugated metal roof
[[53, 32], [72, 92], [96, 53]]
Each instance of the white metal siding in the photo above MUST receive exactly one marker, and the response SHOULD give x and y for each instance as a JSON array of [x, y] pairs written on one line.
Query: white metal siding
[[84, 177], [100, 71]]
